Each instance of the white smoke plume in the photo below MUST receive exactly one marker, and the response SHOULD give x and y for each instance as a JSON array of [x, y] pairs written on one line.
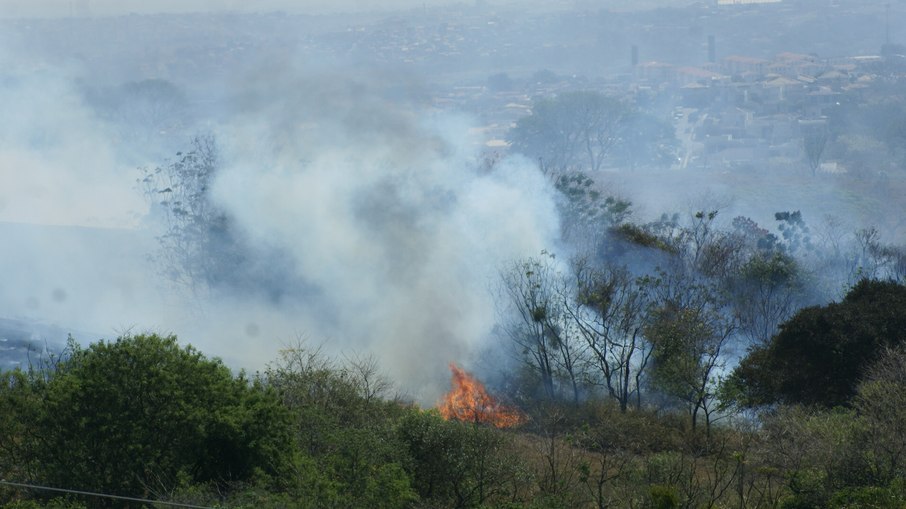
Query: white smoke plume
[[68, 249], [387, 211], [384, 207], [57, 160]]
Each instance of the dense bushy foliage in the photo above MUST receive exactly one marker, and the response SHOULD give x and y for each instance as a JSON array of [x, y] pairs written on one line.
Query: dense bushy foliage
[[140, 416], [819, 355], [144, 417]]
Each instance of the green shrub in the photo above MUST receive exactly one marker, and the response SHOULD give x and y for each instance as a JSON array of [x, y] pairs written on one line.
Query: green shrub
[[663, 497]]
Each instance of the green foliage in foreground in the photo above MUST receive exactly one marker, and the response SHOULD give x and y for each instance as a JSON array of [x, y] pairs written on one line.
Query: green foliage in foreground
[[139, 415], [143, 416]]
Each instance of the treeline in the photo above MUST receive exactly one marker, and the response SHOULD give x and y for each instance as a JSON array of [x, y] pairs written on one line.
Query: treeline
[[143, 417], [147, 418], [660, 313]]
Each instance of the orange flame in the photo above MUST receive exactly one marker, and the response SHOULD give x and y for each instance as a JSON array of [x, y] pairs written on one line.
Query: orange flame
[[469, 401]]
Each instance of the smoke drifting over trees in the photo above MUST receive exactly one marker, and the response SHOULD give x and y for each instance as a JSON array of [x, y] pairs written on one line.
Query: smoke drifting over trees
[[400, 235], [324, 207], [351, 180]]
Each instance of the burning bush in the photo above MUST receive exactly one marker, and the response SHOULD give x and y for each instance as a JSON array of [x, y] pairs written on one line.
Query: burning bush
[[469, 401]]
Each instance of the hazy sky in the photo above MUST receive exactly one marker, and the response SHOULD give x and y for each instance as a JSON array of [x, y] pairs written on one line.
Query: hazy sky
[[48, 8], [115, 7]]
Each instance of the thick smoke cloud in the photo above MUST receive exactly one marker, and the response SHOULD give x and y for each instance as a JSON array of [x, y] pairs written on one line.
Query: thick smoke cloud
[[392, 222], [68, 248], [57, 160], [388, 212]]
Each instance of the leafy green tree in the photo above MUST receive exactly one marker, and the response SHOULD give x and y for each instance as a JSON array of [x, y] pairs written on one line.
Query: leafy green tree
[[766, 291], [20, 401], [198, 239], [586, 212], [819, 355], [870, 497], [137, 415], [817, 451], [500, 82], [881, 401], [345, 426], [456, 464], [875, 260], [795, 233], [689, 328], [815, 137], [54, 503]]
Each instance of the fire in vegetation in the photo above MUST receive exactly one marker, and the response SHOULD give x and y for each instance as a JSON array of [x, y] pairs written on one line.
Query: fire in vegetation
[[469, 401]]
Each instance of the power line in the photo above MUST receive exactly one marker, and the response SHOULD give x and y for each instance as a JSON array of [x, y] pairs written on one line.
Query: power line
[[102, 495]]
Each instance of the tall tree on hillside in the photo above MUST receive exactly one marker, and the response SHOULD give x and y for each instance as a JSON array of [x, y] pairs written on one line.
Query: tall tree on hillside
[[201, 245], [610, 312], [573, 131], [689, 328], [197, 238], [881, 400], [646, 141], [535, 293], [815, 136], [766, 292], [586, 212]]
